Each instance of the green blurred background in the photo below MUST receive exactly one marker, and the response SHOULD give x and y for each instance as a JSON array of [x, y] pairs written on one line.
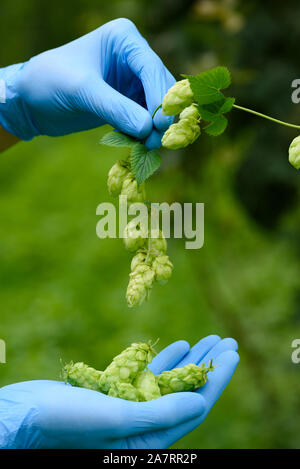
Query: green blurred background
[[62, 289]]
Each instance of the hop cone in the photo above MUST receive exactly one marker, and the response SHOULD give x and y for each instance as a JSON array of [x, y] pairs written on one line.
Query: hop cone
[[116, 177], [181, 134], [188, 378], [147, 386], [135, 236], [125, 391], [162, 267], [132, 190], [191, 112], [139, 258], [159, 244], [81, 375], [177, 98], [125, 367], [137, 291], [294, 153]]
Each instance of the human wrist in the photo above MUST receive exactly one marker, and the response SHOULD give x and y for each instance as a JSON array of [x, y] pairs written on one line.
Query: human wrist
[[14, 116]]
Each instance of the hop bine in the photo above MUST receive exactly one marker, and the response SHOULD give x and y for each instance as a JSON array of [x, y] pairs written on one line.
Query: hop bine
[[188, 378], [126, 366]]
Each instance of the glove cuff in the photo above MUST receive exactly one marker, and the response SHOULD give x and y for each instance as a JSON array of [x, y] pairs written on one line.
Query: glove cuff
[[14, 116]]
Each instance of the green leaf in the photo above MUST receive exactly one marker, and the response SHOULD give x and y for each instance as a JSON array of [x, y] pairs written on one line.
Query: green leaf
[[210, 111], [117, 139], [217, 127], [227, 106], [143, 162], [207, 86]]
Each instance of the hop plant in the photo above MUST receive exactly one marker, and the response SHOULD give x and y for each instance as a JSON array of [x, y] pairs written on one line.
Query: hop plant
[[147, 386], [125, 367], [294, 153], [133, 191], [188, 378], [125, 391], [159, 244], [81, 375], [116, 177], [137, 291], [162, 267], [177, 98], [135, 236], [139, 258], [181, 134]]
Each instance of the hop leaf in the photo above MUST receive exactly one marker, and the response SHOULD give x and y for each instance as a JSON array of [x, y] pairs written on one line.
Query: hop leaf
[[117, 139], [144, 163], [294, 153], [207, 86]]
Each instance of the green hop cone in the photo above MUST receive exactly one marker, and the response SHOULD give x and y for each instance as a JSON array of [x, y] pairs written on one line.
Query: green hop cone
[[144, 271], [191, 112], [81, 375], [125, 367], [133, 191], [294, 153], [135, 235], [116, 177], [147, 385], [162, 267], [181, 134], [139, 258], [159, 244], [136, 292], [125, 391], [177, 98], [188, 378]]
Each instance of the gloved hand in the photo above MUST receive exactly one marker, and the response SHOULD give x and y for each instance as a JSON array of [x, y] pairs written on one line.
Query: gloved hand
[[110, 76], [51, 414]]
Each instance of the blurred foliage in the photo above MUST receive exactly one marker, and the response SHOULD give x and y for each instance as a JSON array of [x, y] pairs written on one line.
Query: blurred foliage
[[62, 289]]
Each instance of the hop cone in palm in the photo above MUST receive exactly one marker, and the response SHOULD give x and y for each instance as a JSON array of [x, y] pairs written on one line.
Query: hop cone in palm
[[116, 177], [177, 98], [132, 190], [125, 391], [188, 378], [162, 267], [125, 367], [294, 153], [81, 375], [147, 385]]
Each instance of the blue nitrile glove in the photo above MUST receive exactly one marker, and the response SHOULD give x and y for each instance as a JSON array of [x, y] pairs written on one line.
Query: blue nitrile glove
[[51, 414], [109, 76]]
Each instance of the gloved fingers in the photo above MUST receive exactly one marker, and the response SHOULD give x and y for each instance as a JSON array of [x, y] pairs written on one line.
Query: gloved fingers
[[116, 109], [220, 347], [169, 357], [162, 413], [155, 77], [200, 350], [153, 142], [211, 392]]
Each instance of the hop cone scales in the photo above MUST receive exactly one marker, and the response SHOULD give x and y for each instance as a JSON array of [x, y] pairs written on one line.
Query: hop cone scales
[[81, 375], [125, 367], [125, 391], [147, 386], [187, 378]]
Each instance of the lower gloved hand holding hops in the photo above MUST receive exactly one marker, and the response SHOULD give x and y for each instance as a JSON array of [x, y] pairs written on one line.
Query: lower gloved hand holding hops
[[128, 377]]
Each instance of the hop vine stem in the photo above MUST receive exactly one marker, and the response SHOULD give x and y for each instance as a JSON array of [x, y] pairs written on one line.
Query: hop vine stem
[[155, 110], [259, 114]]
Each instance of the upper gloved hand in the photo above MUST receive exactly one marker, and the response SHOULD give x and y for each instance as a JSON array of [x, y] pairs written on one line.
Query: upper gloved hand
[[109, 76], [50, 414]]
